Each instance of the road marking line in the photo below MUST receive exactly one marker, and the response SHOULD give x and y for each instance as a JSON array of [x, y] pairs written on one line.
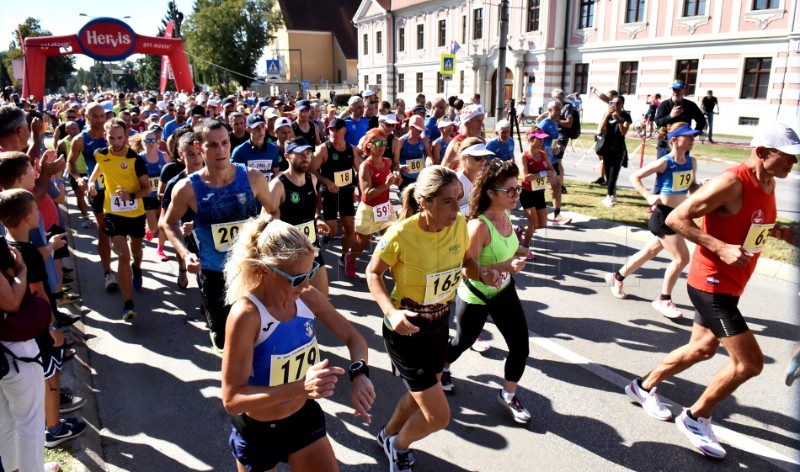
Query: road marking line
[[731, 437]]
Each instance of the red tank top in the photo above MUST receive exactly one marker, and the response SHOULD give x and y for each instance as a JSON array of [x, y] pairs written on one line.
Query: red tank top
[[534, 166], [456, 165], [748, 228], [378, 178]]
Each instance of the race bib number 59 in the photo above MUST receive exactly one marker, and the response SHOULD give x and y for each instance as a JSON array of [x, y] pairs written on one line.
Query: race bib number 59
[[225, 234], [439, 286]]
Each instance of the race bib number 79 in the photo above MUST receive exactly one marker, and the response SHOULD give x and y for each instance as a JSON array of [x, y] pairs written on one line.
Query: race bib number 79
[[439, 286]]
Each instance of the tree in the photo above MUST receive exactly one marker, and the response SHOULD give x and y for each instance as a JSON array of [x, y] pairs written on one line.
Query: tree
[[58, 68], [228, 38], [148, 68]]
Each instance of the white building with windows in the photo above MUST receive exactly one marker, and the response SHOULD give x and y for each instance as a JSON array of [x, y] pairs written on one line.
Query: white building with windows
[[746, 51]]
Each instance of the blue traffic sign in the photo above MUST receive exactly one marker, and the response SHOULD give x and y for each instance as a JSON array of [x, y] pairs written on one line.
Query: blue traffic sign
[[273, 69]]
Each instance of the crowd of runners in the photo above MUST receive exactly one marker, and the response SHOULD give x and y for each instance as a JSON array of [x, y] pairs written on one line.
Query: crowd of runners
[[251, 193]]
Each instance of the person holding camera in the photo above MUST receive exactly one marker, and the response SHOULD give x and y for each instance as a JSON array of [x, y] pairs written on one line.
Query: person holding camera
[[675, 110]]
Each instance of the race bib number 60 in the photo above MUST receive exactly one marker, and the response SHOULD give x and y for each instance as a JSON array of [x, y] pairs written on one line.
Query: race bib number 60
[[439, 286], [225, 234], [756, 237], [291, 367]]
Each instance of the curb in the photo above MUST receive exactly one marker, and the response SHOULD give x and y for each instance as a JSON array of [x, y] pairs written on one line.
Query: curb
[[770, 268]]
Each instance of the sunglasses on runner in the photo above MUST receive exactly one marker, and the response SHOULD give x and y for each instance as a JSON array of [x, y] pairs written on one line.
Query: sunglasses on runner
[[297, 280], [380, 143], [512, 192], [149, 140]]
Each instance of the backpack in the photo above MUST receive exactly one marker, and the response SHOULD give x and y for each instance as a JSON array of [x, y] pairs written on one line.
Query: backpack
[[575, 130]]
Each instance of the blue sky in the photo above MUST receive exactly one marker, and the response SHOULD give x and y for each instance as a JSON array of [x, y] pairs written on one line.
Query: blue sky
[[62, 17]]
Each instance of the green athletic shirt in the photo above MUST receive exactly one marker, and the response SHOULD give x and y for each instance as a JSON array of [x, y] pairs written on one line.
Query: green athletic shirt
[[500, 249]]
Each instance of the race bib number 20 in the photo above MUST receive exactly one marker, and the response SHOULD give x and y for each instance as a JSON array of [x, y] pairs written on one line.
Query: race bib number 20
[[225, 234]]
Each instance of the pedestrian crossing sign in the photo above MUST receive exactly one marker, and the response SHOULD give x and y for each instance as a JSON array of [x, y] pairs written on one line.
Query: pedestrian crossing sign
[[448, 64], [273, 69]]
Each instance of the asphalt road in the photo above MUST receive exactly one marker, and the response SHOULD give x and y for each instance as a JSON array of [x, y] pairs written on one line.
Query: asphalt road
[[153, 385]]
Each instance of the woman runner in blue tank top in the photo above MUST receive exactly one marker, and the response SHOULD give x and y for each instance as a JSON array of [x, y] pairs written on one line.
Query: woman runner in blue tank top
[[155, 161], [675, 178], [272, 367], [410, 151]]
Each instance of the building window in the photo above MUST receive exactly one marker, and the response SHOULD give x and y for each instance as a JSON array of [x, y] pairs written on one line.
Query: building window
[[378, 80], [756, 77], [694, 8], [401, 83], [420, 36], [339, 76], [586, 19], [442, 33], [477, 23], [686, 70], [461, 82], [378, 42], [533, 15], [635, 11], [366, 81], [628, 72], [748, 121], [401, 39], [581, 78], [464, 29], [765, 4], [439, 83], [419, 82], [366, 44]]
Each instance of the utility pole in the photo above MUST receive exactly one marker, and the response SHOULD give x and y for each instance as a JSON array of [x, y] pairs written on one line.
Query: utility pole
[[500, 92]]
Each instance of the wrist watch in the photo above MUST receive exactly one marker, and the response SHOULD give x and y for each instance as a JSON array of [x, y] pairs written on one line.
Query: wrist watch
[[358, 368]]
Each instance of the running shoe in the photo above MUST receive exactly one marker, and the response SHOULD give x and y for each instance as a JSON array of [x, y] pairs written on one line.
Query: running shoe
[[148, 235], [381, 437], [87, 223], [600, 181], [69, 402], [700, 434], [68, 298], [649, 400], [350, 265], [480, 345], [518, 232], [793, 369], [530, 255], [161, 254], [564, 190], [518, 411], [667, 308], [608, 201], [215, 342], [112, 283], [447, 383], [616, 286], [128, 314], [398, 461], [65, 318], [67, 430], [137, 277], [561, 220], [183, 279]]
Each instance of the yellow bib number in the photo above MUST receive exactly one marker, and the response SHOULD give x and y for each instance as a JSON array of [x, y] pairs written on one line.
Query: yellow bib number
[[154, 184], [757, 237], [342, 178], [439, 286], [308, 228], [119, 205], [291, 367], [100, 183], [681, 180], [415, 165], [225, 234], [381, 212]]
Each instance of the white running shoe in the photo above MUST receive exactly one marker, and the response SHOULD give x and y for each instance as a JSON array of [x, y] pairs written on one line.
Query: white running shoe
[[609, 201], [700, 434], [517, 409], [112, 283], [649, 401], [616, 286], [481, 345], [667, 308]]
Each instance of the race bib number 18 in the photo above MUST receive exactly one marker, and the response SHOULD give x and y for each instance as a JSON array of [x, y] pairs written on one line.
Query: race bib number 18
[[225, 234], [154, 184], [342, 178], [439, 286]]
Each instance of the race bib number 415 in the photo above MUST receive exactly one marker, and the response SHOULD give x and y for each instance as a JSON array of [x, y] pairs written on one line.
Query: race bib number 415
[[119, 205], [225, 234], [439, 286], [291, 367]]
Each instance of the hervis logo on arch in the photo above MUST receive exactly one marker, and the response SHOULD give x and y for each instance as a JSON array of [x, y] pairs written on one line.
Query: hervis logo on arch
[[107, 39]]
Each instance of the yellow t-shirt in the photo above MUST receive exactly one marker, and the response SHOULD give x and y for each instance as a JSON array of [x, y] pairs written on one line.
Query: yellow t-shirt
[[426, 266], [122, 171]]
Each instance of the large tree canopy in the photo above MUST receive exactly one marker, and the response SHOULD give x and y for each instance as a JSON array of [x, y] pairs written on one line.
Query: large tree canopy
[[58, 68], [148, 68], [229, 34]]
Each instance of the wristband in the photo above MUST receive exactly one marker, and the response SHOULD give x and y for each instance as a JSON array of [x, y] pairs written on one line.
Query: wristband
[[52, 327]]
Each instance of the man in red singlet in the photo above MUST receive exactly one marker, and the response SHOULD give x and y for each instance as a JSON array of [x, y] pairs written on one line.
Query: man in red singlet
[[739, 213]]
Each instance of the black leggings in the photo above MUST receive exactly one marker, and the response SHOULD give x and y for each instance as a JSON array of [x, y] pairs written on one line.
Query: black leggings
[[508, 316], [612, 166]]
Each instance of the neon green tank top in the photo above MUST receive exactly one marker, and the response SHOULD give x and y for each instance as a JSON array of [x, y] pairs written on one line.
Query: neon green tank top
[[500, 249]]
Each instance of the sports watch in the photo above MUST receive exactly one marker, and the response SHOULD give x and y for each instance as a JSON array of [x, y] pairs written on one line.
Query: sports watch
[[358, 368]]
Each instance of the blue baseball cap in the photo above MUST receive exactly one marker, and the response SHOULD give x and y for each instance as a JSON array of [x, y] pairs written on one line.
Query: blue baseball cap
[[678, 85], [684, 130]]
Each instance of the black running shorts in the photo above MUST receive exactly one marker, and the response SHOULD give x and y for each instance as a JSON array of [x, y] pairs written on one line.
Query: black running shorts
[[418, 358], [657, 222], [532, 199], [718, 312], [123, 226]]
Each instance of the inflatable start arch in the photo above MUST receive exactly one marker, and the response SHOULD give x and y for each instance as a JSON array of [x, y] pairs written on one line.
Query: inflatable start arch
[[102, 39]]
